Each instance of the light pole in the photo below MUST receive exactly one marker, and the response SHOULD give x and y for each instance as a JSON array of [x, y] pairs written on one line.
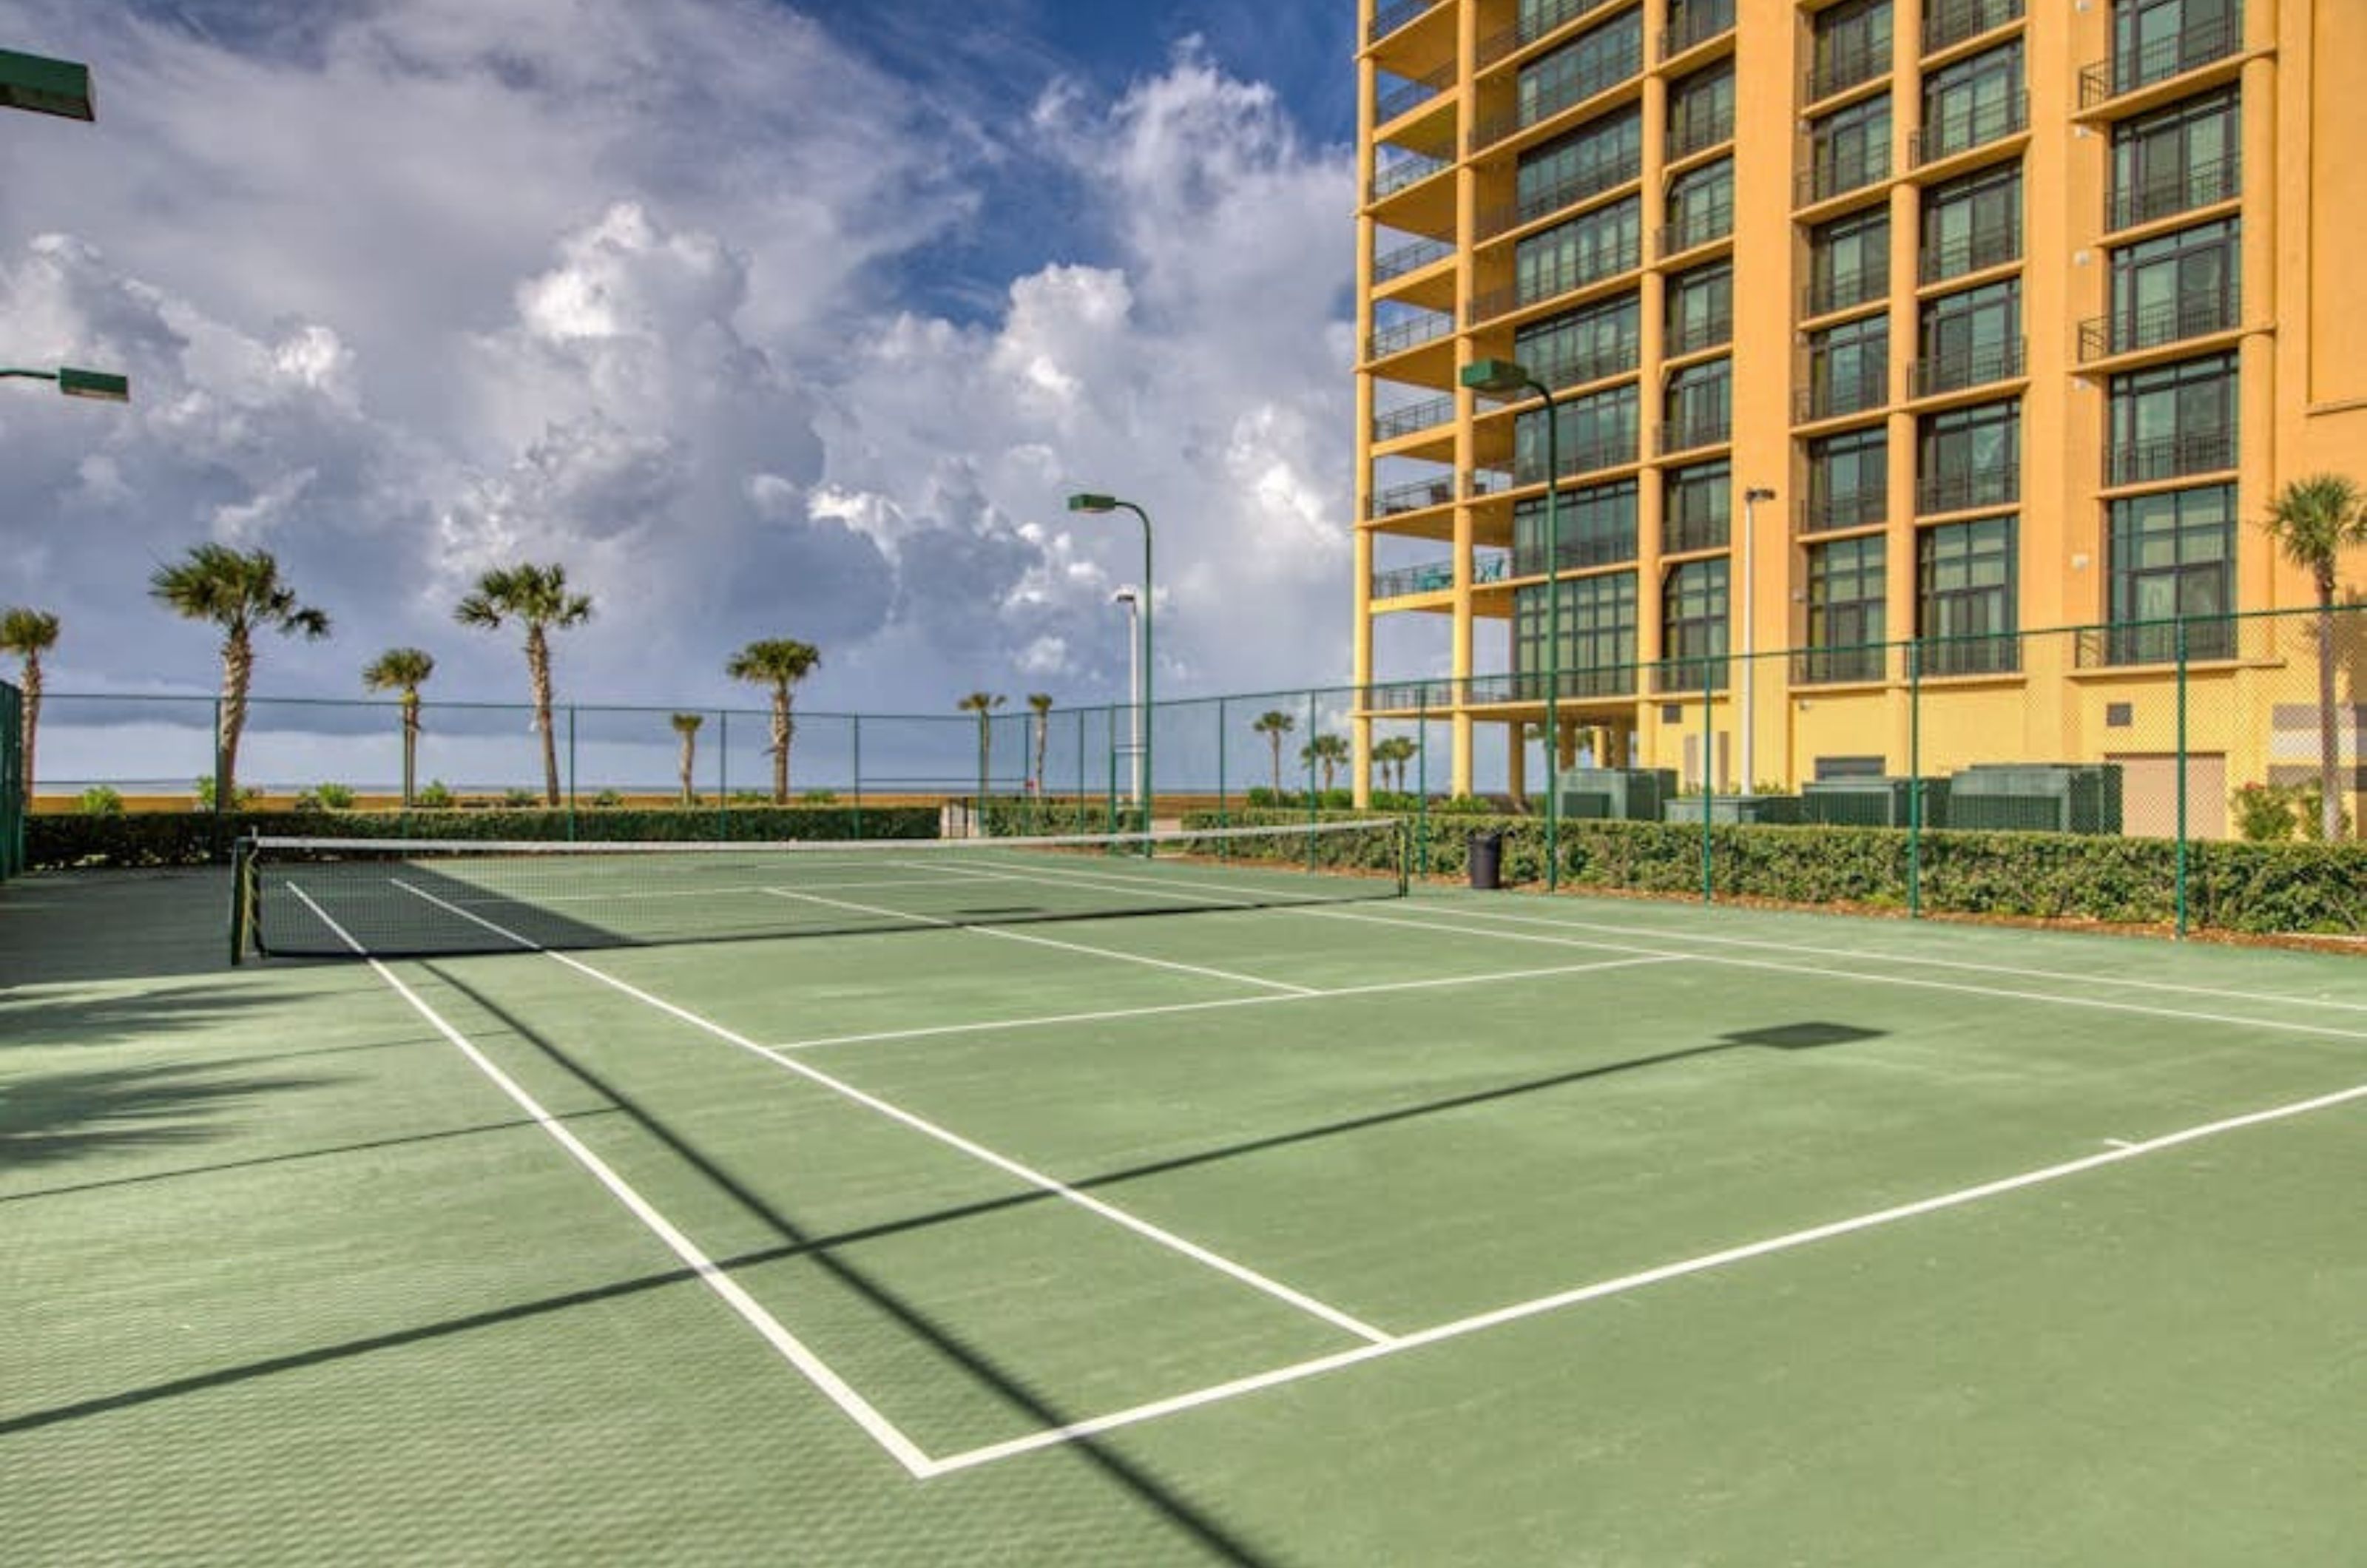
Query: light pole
[[45, 87], [1504, 379], [1750, 499], [1132, 599], [97, 384], [1086, 500]]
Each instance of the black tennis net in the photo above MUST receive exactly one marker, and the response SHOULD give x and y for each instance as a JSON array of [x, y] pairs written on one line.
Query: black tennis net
[[394, 898]]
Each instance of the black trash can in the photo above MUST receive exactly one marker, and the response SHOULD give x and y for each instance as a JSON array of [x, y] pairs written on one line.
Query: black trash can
[[1484, 852]]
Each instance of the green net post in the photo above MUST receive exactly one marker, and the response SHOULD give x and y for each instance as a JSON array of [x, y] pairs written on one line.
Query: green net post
[[2181, 930], [855, 721], [1708, 783], [1111, 736], [1421, 779], [16, 788], [1914, 780], [1313, 803], [571, 773], [1222, 819]]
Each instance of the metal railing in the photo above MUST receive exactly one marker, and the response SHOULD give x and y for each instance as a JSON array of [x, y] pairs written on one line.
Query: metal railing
[[1947, 23], [1428, 414], [1418, 496], [1390, 18], [1704, 429], [1713, 222], [1844, 290], [2173, 320], [2157, 642], [1609, 174], [1432, 577], [1941, 373], [1402, 336], [1844, 509], [1411, 95], [2190, 48], [1580, 457], [1694, 22], [1592, 363], [1838, 70], [1969, 490], [2168, 456], [1512, 296], [1976, 252], [1692, 336], [1600, 77], [1578, 552], [1410, 258], [1828, 396], [1966, 128], [1695, 132], [1697, 673], [1710, 531], [2200, 185], [1400, 173], [1835, 666], [1537, 24], [1829, 175], [1999, 654]]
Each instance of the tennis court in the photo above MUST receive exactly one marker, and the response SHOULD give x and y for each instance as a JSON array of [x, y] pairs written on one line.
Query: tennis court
[[1330, 1227]]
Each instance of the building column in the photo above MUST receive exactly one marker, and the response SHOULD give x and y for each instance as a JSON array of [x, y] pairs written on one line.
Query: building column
[[2257, 478]]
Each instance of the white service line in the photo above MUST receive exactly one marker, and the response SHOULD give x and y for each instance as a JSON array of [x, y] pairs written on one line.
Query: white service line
[[951, 1139], [711, 1274], [1477, 1322], [1990, 992]]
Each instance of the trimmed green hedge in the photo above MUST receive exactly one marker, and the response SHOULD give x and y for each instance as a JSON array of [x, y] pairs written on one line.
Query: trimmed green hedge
[[195, 838], [2257, 889]]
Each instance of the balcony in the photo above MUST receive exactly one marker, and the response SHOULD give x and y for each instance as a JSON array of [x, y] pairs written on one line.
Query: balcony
[[1418, 496], [1834, 666], [1708, 427], [1698, 228], [1961, 131], [1578, 553], [1591, 362], [1943, 656], [1828, 395], [1947, 23], [1706, 528], [1389, 18], [1673, 677], [1941, 373], [1580, 457], [1846, 290], [1608, 263], [2191, 49], [2168, 456], [1840, 69], [1698, 131], [1713, 331], [1410, 258], [1693, 22], [1399, 172], [1412, 696], [1595, 681], [1609, 174], [1545, 20], [2203, 185], [1971, 253], [1966, 492], [2155, 642], [1844, 509], [1602, 77], [1428, 414], [1433, 576], [2172, 320], [1399, 336], [1408, 96], [1829, 174]]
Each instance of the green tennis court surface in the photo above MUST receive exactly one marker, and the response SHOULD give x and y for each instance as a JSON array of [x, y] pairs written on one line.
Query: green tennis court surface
[[1458, 1229]]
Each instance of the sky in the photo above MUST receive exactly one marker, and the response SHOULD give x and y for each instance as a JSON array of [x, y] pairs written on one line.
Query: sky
[[764, 318]]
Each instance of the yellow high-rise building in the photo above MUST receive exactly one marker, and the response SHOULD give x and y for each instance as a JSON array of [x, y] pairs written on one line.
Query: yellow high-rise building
[[1864, 322]]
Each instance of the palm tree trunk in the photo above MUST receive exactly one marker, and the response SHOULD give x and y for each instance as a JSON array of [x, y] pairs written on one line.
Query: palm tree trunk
[[1043, 743], [538, 666], [410, 747], [985, 752], [238, 670], [1275, 741], [2330, 775], [781, 743], [689, 761], [32, 716]]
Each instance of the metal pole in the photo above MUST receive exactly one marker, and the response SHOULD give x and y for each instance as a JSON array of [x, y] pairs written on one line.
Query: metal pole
[[1709, 795], [724, 773], [1553, 638], [1915, 780], [2181, 779], [856, 723], [1422, 777], [571, 773], [1750, 779], [1134, 701], [1223, 819]]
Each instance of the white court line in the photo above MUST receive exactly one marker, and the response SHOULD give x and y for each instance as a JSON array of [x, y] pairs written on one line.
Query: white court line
[[1112, 1015], [1222, 895], [951, 1139], [833, 1387], [2126, 982], [1990, 992], [1300, 1371]]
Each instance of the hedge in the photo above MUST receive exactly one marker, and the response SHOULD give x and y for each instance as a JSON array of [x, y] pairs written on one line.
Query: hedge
[[196, 838], [2258, 889]]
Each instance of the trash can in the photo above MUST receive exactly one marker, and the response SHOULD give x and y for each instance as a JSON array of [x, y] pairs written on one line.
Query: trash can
[[1484, 852]]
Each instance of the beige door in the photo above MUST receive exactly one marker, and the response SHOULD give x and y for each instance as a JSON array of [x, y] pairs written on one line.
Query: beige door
[[2149, 794]]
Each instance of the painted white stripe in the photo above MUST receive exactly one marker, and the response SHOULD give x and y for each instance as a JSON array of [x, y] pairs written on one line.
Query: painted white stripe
[[951, 1139], [816, 1371], [905, 915], [1727, 1256]]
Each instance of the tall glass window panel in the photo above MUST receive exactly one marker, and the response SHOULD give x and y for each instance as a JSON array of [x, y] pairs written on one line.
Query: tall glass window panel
[[1846, 588], [1965, 601], [1849, 260], [2183, 157], [2173, 420], [1969, 458], [1701, 110], [1585, 250], [1596, 525], [1581, 345], [1972, 224], [1850, 147], [1693, 617], [1597, 431], [2178, 285], [1973, 102], [1582, 68], [1849, 481], [2173, 555], [2157, 39], [1701, 205], [1970, 338], [1700, 309], [1699, 409], [1697, 507], [1849, 368], [1593, 158], [1597, 637], [1852, 45]]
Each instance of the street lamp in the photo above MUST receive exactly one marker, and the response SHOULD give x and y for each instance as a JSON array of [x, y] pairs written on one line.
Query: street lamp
[[1750, 498], [1085, 500], [100, 386], [1132, 599], [45, 87], [1506, 379]]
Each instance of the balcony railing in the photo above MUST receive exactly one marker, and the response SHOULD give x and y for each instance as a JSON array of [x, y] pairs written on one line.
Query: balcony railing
[[1591, 362], [2155, 642], [1969, 367], [1578, 457], [1698, 673], [1947, 23], [1828, 396], [1964, 492], [1963, 130], [1976, 252], [2190, 48], [1409, 170], [1410, 258], [1995, 655], [1695, 21], [1428, 414], [1390, 18], [2200, 185], [1697, 228], [1844, 509], [1532, 27], [1486, 481], [1411, 95], [1696, 131], [1401, 335], [1512, 296], [1578, 552], [2172, 320], [1708, 428], [1412, 696], [1831, 666], [1843, 67], [1601, 76], [1706, 331], [1418, 496], [1843, 290], [1529, 686], [1609, 174], [1829, 174], [2168, 456], [1706, 530], [1431, 577]]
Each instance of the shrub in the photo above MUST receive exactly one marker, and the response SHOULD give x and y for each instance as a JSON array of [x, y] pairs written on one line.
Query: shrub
[[818, 797], [326, 798], [609, 798], [2263, 814], [241, 799], [436, 796], [99, 800], [519, 797]]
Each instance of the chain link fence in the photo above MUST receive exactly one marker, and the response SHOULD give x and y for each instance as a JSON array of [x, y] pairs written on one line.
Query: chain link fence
[[14, 785]]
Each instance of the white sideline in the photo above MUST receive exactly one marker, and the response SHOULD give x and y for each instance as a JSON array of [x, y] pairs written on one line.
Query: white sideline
[[977, 1151], [1298, 1372], [832, 1386]]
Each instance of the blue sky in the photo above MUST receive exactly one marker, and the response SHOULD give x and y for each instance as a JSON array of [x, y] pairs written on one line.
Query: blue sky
[[763, 318]]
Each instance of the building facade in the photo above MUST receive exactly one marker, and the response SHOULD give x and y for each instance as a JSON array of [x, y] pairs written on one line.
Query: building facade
[[1865, 322]]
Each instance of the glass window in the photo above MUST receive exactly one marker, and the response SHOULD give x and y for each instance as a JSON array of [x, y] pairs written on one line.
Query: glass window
[[1974, 101], [2177, 419], [1580, 346], [1585, 250], [2178, 285], [1849, 480], [2184, 156], [1699, 407], [1849, 367], [1598, 635], [1693, 614], [1846, 591], [1849, 260], [1852, 45], [1965, 597], [1597, 525], [1697, 507], [1593, 158], [1701, 308], [1970, 337], [1701, 205], [1597, 431], [1701, 110], [1972, 222], [2173, 555], [2157, 39], [1582, 68], [1969, 458], [1850, 147]]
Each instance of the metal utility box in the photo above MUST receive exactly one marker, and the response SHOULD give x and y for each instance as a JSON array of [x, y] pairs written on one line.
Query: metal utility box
[[2043, 797], [1736, 808], [1873, 802], [1634, 795]]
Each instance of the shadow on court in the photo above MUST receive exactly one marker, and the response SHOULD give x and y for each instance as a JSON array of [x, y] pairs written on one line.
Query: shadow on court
[[60, 1117]]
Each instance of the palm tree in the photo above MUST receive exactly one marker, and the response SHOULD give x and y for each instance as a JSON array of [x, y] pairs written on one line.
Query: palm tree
[[537, 597], [1042, 703], [29, 634], [982, 703], [1329, 752], [237, 591], [403, 670], [1392, 755], [2314, 520], [1274, 724], [779, 662], [686, 725]]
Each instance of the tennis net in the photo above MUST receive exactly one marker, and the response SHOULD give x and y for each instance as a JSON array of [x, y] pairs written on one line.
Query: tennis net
[[391, 897]]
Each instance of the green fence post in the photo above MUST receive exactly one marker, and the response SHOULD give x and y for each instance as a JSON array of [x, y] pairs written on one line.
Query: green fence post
[[2181, 780], [1708, 783], [1223, 820], [1422, 777], [571, 773], [856, 720], [1111, 736], [724, 773], [221, 781], [1314, 804], [1914, 781]]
